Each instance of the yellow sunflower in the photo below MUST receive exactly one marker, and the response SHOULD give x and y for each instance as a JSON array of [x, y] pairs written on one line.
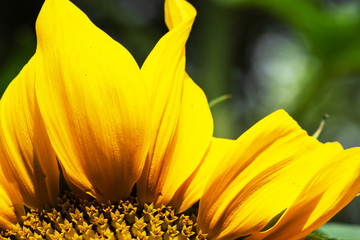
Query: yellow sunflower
[[82, 103]]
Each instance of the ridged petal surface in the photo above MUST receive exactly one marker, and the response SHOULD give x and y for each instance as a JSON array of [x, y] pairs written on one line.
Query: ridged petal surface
[[192, 189], [334, 184], [266, 171], [93, 102], [25, 144], [11, 201], [181, 120]]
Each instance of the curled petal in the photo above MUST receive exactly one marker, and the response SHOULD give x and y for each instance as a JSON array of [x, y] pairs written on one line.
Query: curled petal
[[93, 102], [181, 119], [261, 176], [27, 152], [177, 12]]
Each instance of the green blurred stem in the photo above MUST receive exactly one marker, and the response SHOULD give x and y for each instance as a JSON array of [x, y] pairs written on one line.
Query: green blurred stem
[[220, 99]]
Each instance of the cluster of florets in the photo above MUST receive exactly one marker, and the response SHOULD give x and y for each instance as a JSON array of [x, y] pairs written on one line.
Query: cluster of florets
[[74, 218]]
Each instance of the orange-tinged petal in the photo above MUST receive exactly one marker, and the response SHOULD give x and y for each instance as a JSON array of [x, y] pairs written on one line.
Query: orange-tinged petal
[[192, 189], [8, 216], [327, 192], [24, 141], [93, 102], [7, 213], [260, 177], [11, 202], [181, 120]]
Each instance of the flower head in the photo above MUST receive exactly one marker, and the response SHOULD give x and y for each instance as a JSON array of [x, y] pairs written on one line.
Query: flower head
[[83, 102]]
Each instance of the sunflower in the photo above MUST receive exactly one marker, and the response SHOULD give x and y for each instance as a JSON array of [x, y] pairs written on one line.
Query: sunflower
[[81, 107]]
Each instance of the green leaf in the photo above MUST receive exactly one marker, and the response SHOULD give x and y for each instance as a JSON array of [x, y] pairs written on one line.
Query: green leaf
[[342, 231], [317, 235]]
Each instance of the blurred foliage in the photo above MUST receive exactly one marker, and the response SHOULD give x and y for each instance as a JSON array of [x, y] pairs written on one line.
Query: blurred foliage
[[339, 231], [300, 55], [325, 41]]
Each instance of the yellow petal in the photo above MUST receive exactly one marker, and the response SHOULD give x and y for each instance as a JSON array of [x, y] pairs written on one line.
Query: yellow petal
[[260, 177], [184, 152], [93, 102], [187, 148], [7, 213], [177, 12], [8, 217], [25, 143], [181, 120], [333, 186], [11, 202], [192, 189]]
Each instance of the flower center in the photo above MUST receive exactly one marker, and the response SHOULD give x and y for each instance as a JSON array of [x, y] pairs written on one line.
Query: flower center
[[75, 218]]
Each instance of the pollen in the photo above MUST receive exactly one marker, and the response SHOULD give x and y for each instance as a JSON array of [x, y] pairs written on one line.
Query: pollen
[[75, 218]]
